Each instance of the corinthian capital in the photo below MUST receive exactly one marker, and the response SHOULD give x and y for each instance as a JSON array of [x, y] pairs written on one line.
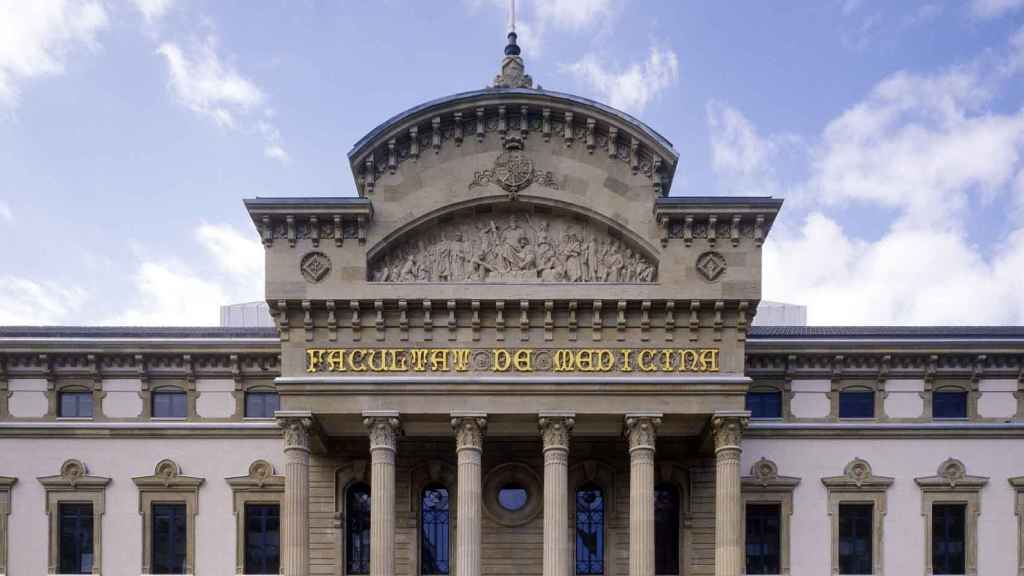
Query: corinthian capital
[[555, 429], [383, 428], [642, 430], [728, 430], [297, 428], [469, 430]]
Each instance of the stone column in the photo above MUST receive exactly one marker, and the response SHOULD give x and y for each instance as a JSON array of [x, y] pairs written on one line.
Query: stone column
[[555, 428], [728, 430], [469, 443], [641, 431], [295, 551], [384, 428]]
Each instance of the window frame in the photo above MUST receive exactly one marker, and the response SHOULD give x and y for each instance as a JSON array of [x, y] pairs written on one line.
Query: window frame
[[74, 485], [347, 518], [437, 473], [775, 389], [858, 389], [259, 486], [512, 473], [670, 472], [6, 487], [858, 485], [952, 485], [766, 486], [421, 535], [603, 476], [149, 388], [1017, 483], [78, 392], [678, 526], [54, 391], [168, 486], [355, 471], [591, 486], [258, 390], [968, 387]]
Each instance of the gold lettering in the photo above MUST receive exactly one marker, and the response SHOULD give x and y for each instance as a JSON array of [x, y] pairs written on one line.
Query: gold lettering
[[461, 359], [419, 359], [355, 359], [644, 361], [666, 359], [523, 360], [375, 360], [314, 358], [565, 361], [502, 360], [335, 360], [709, 360], [625, 361], [438, 360], [687, 366], [585, 360], [605, 360]]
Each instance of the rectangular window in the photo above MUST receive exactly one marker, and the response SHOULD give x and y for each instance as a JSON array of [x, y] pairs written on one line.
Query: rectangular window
[[261, 404], [75, 405], [262, 538], [170, 538], [855, 538], [75, 539], [169, 404], [949, 539], [857, 404], [764, 542], [949, 404], [764, 404]]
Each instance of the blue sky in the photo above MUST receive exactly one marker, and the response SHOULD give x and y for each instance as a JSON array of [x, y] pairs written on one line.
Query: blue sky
[[130, 130]]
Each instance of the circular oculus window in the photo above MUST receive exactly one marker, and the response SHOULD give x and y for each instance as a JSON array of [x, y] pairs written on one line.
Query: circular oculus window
[[512, 494]]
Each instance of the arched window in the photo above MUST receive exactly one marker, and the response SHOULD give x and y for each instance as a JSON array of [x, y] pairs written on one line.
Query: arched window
[[666, 529], [589, 530], [357, 529], [434, 547]]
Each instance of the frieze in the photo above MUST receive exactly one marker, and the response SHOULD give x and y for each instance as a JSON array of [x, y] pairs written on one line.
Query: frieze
[[559, 360], [513, 247], [883, 365]]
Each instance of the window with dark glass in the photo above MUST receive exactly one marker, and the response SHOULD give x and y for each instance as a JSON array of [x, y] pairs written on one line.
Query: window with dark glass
[[169, 538], [169, 404], [949, 539], [75, 404], [261, 404], [75, 539], [262, 538], [855, 538], [856, 403], [357, 529], [949, 404], [666, 529], [764, 538], [434, 548], [589, 530], [764, 403]]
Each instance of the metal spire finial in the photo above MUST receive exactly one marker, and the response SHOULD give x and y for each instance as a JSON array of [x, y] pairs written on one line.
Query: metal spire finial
[[513, 71], [512, 49]]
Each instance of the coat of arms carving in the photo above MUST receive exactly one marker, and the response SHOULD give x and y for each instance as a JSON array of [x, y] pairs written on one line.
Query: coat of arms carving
[[513, 171]]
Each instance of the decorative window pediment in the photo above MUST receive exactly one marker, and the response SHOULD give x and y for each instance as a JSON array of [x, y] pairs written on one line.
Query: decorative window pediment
[[953, 485], [167, 485], [75, 484], [765, 486], [858, 486], [951, 477], [259, 486], [858, 476]]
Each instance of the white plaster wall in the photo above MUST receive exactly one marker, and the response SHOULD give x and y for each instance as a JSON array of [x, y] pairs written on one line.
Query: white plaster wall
[[121, 460], [215, 398], [810, 398], [122, 398], [903, 398], [997, 399], [904, 547], [28, 398]]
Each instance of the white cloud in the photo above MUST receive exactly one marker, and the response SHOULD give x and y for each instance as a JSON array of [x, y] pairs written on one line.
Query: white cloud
[[926, 149], [36, 37], [736, 147], [573, 14], [535, 18], [153, 10], [5, 212], [208, 86], [24, 301], [1015, 61], [994, 8], [631, 88], [238, 254], [170, 295]]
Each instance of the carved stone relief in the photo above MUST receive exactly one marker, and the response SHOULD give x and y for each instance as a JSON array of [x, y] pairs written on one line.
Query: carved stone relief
[[517, 246], [315, 266], [711, 265]]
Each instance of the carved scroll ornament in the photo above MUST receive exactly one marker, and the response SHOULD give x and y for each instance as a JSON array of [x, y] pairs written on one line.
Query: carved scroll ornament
[[516, 246]]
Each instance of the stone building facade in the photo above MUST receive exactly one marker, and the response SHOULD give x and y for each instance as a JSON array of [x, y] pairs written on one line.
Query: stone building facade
[[513, 353]]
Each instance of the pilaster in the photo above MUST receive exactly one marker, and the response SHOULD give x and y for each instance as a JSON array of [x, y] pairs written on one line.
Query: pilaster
[[384, 428], [297, 427], [641, 431], [555, 429], [469, 431], [728, 430]]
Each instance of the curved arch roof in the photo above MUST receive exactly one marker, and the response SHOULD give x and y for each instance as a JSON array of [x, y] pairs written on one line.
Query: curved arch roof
[[671, 156]]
